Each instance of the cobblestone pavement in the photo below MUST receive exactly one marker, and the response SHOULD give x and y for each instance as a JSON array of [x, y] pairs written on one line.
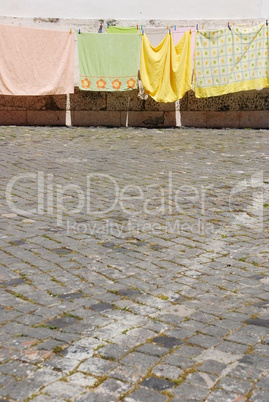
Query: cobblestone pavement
[[134, 265]]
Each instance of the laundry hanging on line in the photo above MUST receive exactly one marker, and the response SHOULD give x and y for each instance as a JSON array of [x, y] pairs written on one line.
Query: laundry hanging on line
[[41, 62], [166, 70], [108, 62], [36, 61], [179, 32], [122, 30], [231, 60], [155, 35]]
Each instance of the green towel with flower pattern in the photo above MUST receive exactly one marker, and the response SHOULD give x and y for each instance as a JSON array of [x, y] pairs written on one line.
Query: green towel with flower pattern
[[108, 62]]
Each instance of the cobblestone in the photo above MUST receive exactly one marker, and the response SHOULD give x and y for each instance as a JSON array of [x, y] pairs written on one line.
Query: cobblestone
[[134, 265]]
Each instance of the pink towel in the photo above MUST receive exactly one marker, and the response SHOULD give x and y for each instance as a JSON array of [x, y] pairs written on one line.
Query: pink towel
[[36, 61], [179, 32]]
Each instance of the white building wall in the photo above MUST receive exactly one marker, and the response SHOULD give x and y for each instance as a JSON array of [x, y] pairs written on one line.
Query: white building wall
[[136, 10]]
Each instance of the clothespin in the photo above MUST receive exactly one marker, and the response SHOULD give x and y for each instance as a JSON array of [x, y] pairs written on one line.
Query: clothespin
[[141, 27], [203, 26], [169, 31], [70, 31], [229, 26], [108, 25], [196, 27], [142, 31], [167, 27], [175, 28], [267, 22], [137, 27], [79, 31]]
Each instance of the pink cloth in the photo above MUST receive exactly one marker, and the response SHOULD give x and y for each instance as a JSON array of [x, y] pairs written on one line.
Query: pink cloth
[[36, 61], [156, 35], [179, 32]]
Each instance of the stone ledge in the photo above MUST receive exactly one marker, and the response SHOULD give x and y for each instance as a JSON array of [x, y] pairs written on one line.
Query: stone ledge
[[229, 119], [170, 119], [16, 118], [193, 119], [254, 119], [222, 119], [96, 118], [46, 118], [143, 119]]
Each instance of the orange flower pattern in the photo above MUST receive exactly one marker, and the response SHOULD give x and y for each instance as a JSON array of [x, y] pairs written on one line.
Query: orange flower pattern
[[116, 84], [108, 83], [131, 83], [101, 84], [85, 83]]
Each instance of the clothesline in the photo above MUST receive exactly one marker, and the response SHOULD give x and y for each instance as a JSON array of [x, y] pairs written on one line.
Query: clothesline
[[216, 61], [173, 27]]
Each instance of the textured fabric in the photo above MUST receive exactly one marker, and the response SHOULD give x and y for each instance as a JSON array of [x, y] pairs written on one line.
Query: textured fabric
[[141, 91], [228, 61], [156, 35], [36, 61], [179, 32], [122, 30], [166, 69], [108, 62]]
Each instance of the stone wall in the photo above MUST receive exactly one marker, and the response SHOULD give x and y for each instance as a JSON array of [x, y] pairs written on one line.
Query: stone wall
[[245, 109], [249, 109]]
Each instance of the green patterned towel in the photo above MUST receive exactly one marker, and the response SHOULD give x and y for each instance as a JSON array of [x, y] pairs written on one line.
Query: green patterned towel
[[124, 30], [229, 61], [108, 62]]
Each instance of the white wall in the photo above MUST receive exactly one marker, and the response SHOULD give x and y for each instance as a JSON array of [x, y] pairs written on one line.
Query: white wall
[[136, 9]]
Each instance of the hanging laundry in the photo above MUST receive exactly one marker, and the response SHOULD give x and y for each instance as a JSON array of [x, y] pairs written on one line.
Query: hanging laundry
[[228, 61], [36, 61], [124, 30], [166, 70], [179, 32], [156, 35], [108, 62]]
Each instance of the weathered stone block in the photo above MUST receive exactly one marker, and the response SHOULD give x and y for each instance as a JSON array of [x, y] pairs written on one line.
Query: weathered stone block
[[254, 119], [170, 119], [253, 100], [193, 119], [56, 102], [13, 102], [222, 119], [96, 118], [216, 103], [9, 117], [45, 118], [87, 100], [151, 104], [121, 101], [143, 119], [184, 102]]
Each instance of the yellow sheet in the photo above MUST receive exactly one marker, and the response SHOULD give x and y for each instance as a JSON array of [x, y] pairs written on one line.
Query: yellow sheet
[[166, 69]]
